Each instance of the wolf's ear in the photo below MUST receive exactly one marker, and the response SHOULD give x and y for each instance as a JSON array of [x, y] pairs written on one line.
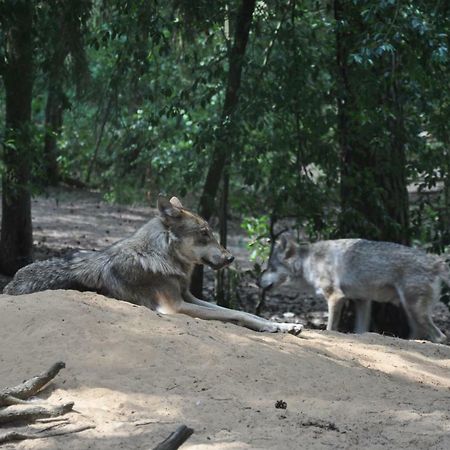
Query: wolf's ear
[[283, 241], [167, 209], [287, 245], [289, 252], [174, 201]]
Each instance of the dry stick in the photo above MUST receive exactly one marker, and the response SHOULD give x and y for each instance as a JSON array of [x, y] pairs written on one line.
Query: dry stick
[[51, 427], [175, 439], [8, 400], [52, 419], [19, 436], [149, 422], [32, 412], [35, 384]]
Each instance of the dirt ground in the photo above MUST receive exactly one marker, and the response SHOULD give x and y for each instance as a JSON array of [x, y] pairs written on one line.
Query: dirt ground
[[136, 375]]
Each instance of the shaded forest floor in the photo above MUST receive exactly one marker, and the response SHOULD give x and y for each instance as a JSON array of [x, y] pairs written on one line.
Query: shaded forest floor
[[65, 220]]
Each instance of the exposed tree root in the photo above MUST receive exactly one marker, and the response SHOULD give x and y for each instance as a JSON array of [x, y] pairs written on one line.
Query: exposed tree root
[[11, 436], [52, 419], [14, 407], [33, 385], [31, 412], [8, 400]]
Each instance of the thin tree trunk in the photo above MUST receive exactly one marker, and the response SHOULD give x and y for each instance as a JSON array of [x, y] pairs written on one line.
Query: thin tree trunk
[[53, 122], [445, 216], [374, 199], [55, 101], [16, 234], [398, 202], [223, 294], [373, 175], [388, 318], [66, 38], [224, 140], [93, 160]]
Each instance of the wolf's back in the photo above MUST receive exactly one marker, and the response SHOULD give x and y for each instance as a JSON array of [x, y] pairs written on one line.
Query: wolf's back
[[43, 275]]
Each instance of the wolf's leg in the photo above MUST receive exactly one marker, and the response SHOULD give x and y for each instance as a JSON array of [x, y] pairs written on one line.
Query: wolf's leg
[[335, 303], [214, 312], [417, 304], [414, 326], [190, 298], [424, 327], [284, 327], [362, 320]]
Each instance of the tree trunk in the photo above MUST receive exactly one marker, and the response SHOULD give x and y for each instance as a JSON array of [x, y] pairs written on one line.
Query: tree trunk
[[388, 318], [445, 215], [224, 141], [65, 38], [16, 234], [223, 293], [56, 104], [374, 199], [53, 122]]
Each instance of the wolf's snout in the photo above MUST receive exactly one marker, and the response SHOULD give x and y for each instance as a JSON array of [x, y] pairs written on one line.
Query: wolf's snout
[[229, 259], [265, 285], [265, 281], [226, 259], [218, 260]]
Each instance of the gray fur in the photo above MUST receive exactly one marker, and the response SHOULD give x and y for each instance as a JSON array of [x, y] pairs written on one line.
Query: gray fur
[[150, 268], [364, 271]]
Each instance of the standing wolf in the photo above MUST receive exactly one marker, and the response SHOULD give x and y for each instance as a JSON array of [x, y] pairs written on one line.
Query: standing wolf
[[363, 271], [151, 268]]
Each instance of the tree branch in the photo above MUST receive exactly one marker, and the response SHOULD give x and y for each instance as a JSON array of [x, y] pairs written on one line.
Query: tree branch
[[11, 436], [33, 385], [175, 439], [32, 412]]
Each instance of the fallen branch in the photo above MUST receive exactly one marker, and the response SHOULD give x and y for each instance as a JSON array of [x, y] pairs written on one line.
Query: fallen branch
[[14, 407], [11, 436], [175, 439], [32, 412], [52, 426], [8, 400], [150, 422], [33, 385], [53, 419]]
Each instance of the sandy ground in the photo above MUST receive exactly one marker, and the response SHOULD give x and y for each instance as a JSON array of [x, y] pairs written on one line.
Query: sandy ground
[[136, 376]]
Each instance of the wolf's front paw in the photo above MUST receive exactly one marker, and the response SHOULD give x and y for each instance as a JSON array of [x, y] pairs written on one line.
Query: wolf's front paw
[[270, 327], [441, 338], [292, 328]]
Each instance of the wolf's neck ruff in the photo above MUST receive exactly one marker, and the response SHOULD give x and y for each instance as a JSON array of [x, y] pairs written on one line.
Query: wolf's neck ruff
[[159, 241]]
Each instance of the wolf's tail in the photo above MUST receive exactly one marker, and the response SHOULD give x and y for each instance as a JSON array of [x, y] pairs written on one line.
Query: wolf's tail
[[42, 275]]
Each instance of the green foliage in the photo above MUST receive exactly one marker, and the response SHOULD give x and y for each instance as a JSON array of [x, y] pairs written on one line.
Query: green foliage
[[258, 232], [144, 84]]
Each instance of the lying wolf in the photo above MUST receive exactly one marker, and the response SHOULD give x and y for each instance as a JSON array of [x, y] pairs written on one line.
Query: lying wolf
[[364, 271], [151, 268]]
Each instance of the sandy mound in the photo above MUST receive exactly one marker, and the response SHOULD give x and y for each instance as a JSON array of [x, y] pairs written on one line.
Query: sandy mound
[[136, 376]]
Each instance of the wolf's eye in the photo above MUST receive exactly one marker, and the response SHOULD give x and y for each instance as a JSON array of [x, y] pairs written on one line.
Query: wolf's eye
[[204, 232]]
